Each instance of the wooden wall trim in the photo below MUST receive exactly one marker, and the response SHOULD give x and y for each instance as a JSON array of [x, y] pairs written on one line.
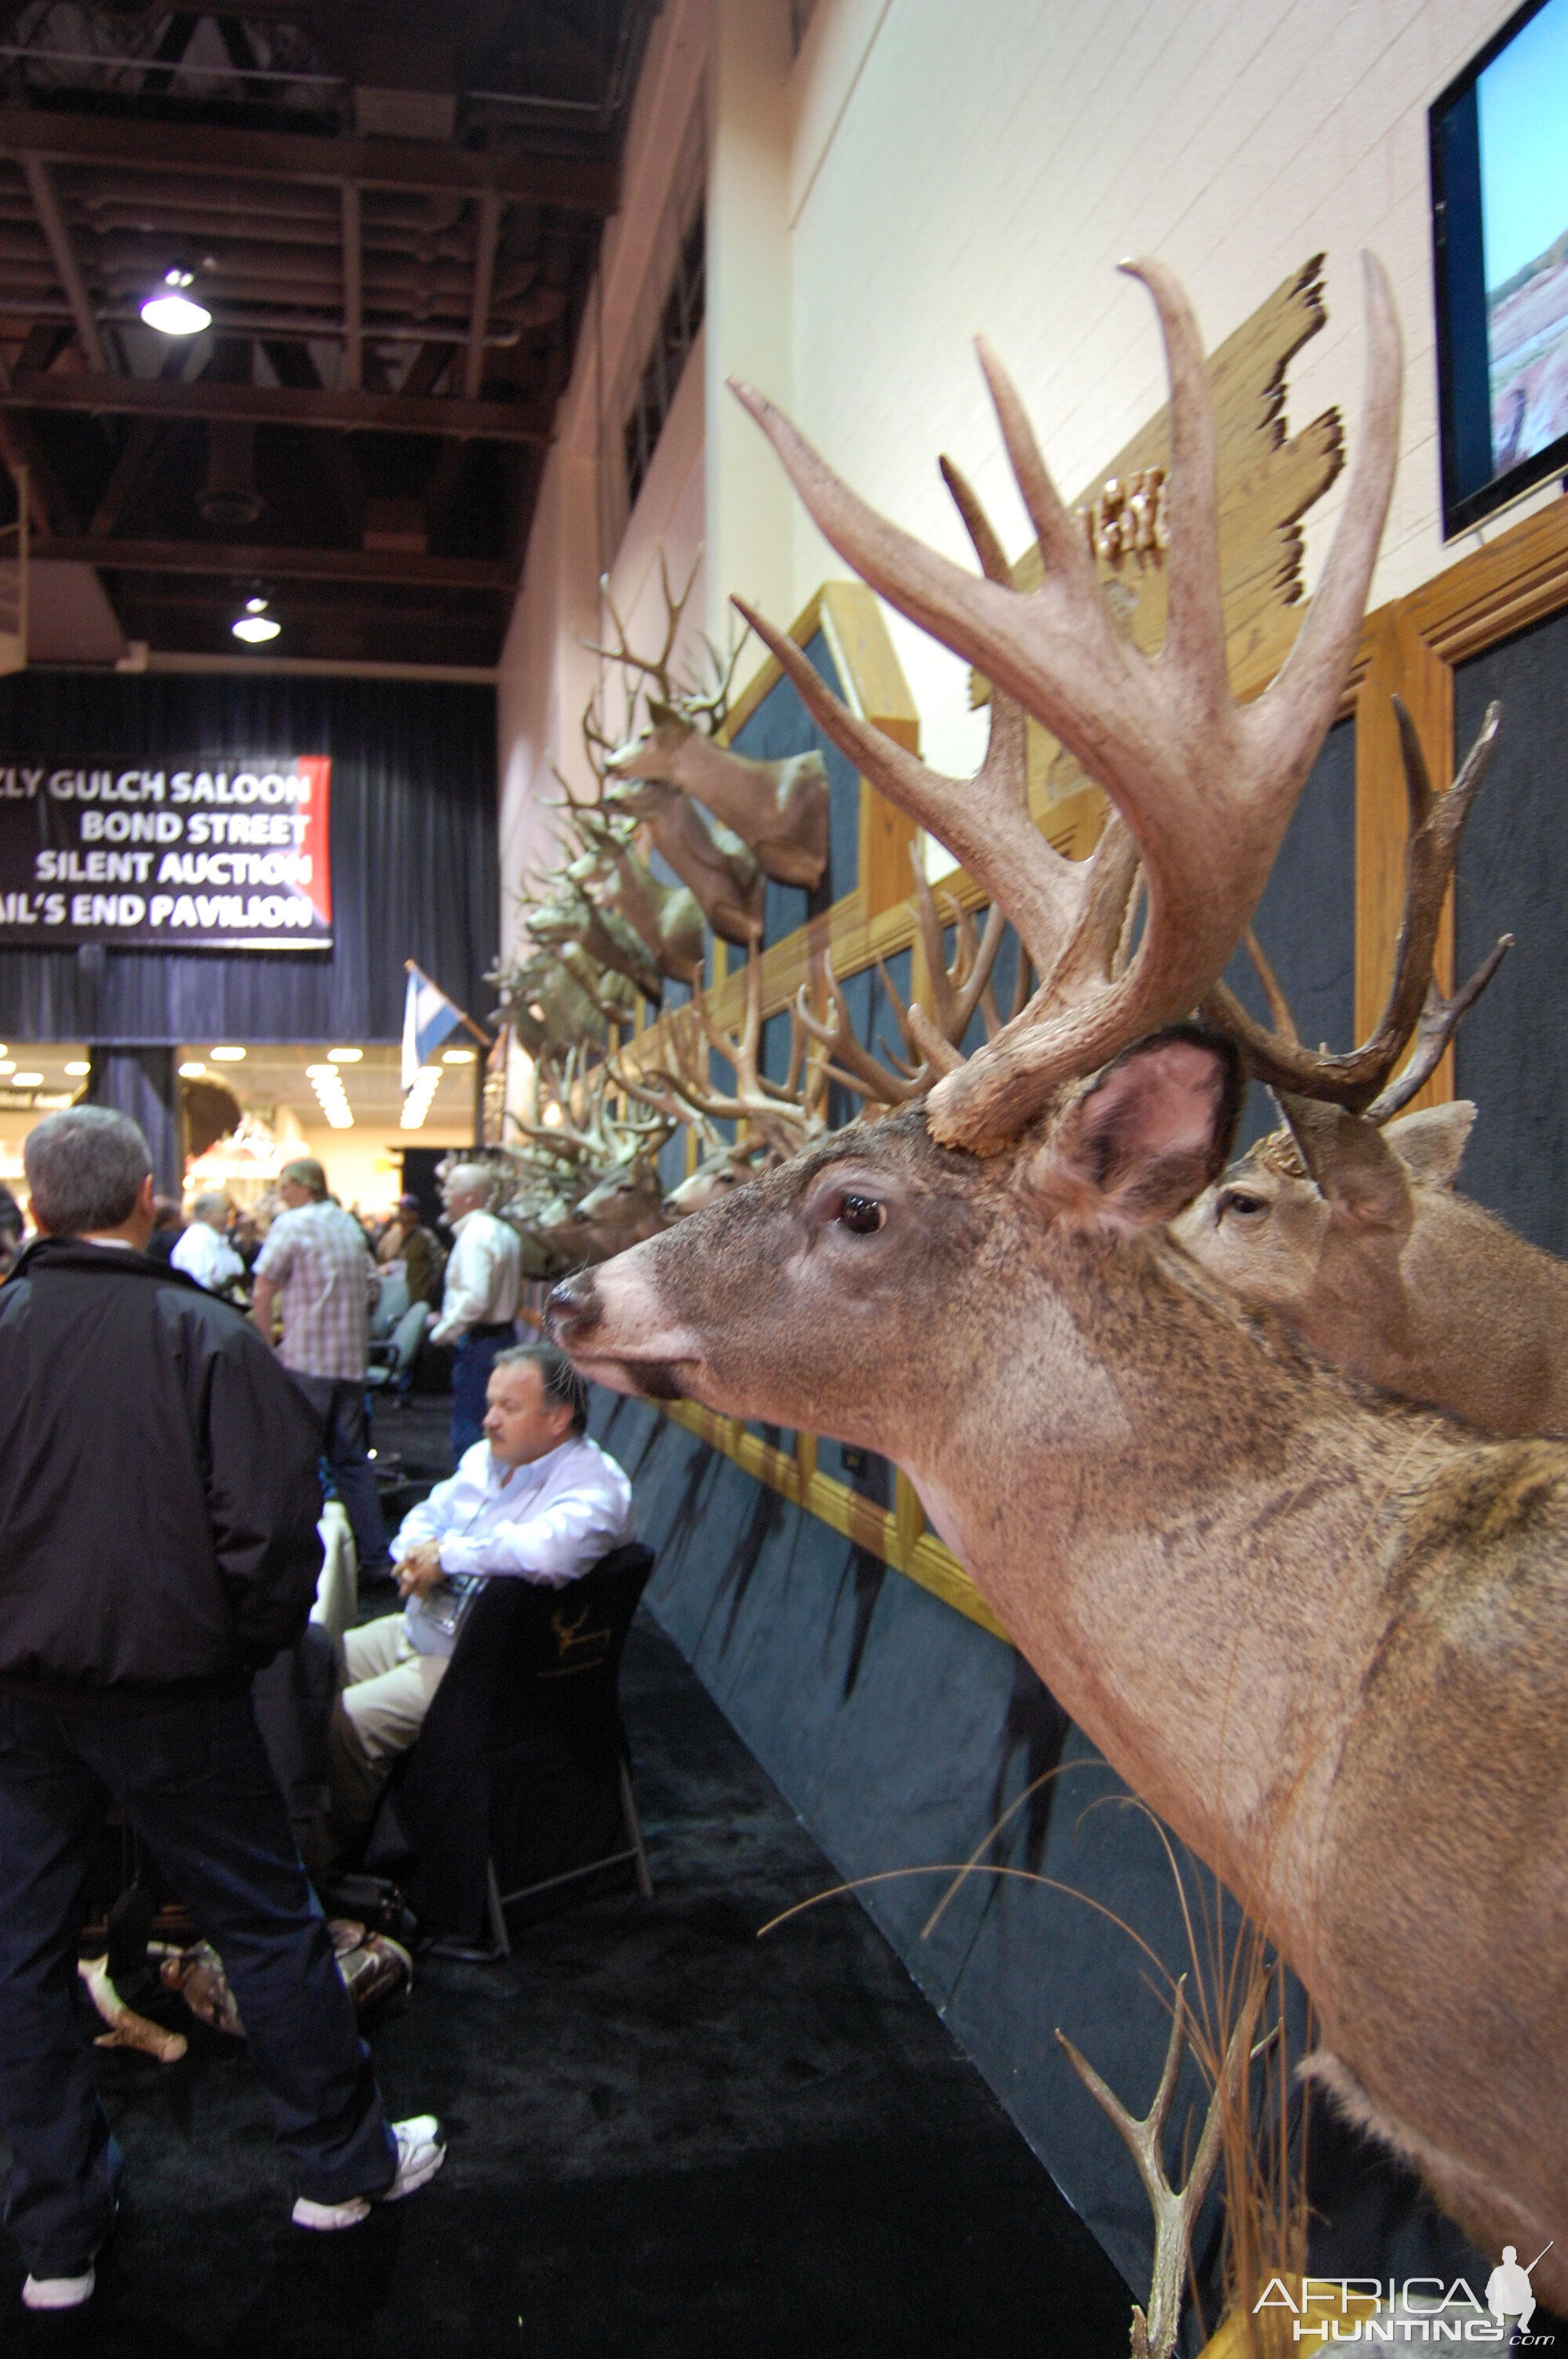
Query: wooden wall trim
[[1409, 648]]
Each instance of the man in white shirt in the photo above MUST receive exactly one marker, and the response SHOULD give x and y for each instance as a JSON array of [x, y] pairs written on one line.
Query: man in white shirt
[[536, 1500], [479, 1308], [203, 1253]]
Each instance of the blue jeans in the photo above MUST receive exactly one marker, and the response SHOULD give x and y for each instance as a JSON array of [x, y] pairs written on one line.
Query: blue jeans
[[340, 1403], [475, 1358], [194, 1781]]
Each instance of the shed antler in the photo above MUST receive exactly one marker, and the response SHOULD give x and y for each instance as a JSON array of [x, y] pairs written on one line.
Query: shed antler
[[1205, 786], [1361, 1080], [1175, 2209]]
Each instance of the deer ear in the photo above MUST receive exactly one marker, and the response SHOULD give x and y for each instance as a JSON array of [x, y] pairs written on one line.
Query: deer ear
[[1432, 1142], [1151, 1132], [1352, 1165]]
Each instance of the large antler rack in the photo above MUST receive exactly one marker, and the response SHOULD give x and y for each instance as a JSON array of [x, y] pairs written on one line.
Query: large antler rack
[[787, 1114], [930, 1043], [1203, 786], [1362, 1080]]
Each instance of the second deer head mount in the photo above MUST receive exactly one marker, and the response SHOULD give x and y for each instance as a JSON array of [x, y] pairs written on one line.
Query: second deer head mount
[[778, 808]]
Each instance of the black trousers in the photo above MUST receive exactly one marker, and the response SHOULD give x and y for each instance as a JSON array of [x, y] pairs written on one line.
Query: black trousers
[[195, 1782], [340, 1403]]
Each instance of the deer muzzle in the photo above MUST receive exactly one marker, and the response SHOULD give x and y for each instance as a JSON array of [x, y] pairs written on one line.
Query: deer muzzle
[[611, 1322]]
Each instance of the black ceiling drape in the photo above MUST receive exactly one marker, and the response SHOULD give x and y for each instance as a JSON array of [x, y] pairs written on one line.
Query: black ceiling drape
[[414, 853]]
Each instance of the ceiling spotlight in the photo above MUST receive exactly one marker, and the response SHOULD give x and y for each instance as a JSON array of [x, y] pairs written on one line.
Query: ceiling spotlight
[[78, 1066], [172, 311], [191, 1072], [551, 1115], [457, 1056], [8, 1064], [228, 1056], [256, 624], [27, 1081], [345, 1056]]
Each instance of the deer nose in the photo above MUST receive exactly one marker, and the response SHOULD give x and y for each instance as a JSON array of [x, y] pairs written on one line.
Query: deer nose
[[572, 1308]]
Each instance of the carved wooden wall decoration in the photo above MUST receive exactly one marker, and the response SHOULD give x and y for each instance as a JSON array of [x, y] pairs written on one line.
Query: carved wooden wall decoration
[[1268, 480]]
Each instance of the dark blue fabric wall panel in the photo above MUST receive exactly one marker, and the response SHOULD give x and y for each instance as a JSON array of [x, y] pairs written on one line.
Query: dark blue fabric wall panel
[[900, 1732], [414, 854], [1306, 918], [1512, 1048]]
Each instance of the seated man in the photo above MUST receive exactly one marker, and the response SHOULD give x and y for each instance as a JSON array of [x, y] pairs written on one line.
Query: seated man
[[536, 1500]]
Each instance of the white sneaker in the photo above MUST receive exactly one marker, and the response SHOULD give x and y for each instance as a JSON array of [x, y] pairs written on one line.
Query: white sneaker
[[421, 2151], [60, 2293]]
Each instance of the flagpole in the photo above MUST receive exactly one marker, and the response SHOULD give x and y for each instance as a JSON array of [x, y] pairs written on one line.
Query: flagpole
[[412, 966]]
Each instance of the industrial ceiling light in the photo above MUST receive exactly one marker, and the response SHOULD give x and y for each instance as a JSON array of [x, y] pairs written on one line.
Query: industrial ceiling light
[[192, 1072], [256, 624], [77, 1067], [457, 1056], [228, 1056], [172, 311], [345, 1056]]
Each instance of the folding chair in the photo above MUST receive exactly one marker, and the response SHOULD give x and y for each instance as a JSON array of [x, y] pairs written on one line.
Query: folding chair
[[519, 1788]]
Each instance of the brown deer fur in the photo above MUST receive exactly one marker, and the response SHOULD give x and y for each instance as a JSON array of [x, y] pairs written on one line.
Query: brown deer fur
[[1383, 1269], [1318, 1631]]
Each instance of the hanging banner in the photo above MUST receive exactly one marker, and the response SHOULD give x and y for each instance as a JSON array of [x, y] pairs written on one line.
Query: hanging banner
[[234, 856]]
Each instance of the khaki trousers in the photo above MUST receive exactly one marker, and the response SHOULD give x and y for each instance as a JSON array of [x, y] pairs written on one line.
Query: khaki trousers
[[389, 1687], [377, 1716]]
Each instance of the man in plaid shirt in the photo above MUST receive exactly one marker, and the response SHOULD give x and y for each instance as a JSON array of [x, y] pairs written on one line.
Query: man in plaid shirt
[[317, 1266]]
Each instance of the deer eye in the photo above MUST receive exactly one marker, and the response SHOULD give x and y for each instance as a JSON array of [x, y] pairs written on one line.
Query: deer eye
[[863, 1214], [1240, 1199]]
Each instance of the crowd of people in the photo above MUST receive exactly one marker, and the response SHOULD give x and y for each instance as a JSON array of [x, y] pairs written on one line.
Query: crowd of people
[[172, 1391]]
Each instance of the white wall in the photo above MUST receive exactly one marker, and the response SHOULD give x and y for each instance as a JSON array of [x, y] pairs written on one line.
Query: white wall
[[546, 675], [963, 168], [925, 170]]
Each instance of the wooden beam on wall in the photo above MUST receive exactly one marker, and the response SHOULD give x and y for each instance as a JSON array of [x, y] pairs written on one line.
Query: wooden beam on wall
[[353, 288], [572, 183], [268, 404], [486, 236], [46, 204], [1400, 662], [247, 558]]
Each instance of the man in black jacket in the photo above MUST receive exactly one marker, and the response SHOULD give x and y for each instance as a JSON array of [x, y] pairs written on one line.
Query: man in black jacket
[[158, 1499]]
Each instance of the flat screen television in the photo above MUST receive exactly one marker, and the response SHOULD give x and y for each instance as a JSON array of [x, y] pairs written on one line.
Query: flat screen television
[[1499, 212]]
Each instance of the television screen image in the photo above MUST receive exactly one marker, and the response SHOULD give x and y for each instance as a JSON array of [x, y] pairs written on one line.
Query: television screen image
[[1499, 153]]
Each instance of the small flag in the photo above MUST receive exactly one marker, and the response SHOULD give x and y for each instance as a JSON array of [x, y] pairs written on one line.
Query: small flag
[[429, 1017]]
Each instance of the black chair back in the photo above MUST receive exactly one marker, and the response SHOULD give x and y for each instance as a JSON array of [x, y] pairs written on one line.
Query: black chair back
[[519, 1759]]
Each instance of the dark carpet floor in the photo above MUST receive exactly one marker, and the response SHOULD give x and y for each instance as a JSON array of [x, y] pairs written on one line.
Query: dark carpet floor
[[668, 2138]]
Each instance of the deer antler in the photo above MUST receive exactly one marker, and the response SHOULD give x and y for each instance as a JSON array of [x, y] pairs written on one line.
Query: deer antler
[[1206, 786], [1067, 913], [657, 667], [786, 1114], [1175, 2209], [931, 1046], [1414, 1004]]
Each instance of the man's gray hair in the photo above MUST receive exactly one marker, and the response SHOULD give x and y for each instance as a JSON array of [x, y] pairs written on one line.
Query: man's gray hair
[[464, 1175], [85, 1167], [215, 1200], [559, 1380]]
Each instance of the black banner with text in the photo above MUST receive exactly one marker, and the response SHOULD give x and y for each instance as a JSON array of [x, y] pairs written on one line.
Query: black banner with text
[[232, 857]]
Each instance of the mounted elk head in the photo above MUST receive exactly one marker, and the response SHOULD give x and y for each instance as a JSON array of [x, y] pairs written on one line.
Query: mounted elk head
[[1325, 1637]]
